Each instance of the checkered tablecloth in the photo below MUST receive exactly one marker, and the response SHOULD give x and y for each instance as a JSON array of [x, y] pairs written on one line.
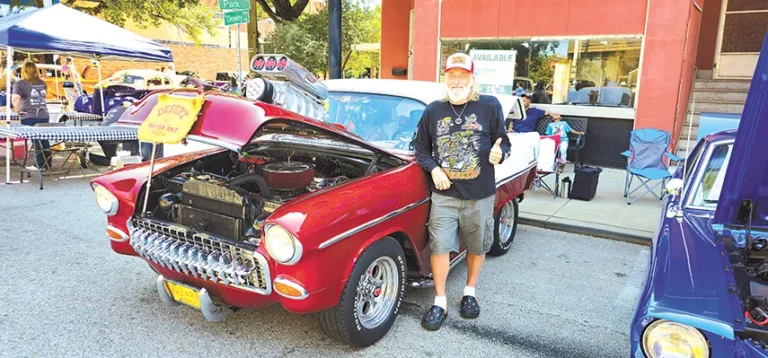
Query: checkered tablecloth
[[69, 115], [72, 134]]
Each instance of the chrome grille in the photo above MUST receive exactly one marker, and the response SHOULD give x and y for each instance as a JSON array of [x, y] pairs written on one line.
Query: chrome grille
[[200, 255]]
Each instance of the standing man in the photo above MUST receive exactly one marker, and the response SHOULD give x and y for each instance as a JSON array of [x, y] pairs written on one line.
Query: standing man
[[458, 141], [532, 116]]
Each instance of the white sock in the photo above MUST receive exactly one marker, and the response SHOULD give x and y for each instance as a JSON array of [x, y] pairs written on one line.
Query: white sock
[[469, 291], [441, 301]]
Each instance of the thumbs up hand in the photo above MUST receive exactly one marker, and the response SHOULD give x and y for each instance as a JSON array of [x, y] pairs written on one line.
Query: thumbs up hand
[[495, 156]]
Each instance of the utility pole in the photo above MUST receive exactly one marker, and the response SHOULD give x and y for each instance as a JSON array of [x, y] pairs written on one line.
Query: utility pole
[[334, 38]]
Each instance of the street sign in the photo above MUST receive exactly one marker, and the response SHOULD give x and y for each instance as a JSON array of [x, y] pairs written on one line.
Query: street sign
[[236, 17], [234, 4]]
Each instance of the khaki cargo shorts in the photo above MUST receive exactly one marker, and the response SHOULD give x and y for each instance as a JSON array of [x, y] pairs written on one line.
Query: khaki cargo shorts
[[452, 219]]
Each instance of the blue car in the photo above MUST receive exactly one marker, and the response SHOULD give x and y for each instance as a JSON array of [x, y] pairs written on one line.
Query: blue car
[[706, 292]]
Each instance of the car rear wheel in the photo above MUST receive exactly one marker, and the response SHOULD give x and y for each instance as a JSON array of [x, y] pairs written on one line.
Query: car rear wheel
[[505, 228], [371, 298]]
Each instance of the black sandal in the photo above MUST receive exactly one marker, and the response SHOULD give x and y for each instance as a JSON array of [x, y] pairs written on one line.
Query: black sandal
[[469, 307], [434, 318]]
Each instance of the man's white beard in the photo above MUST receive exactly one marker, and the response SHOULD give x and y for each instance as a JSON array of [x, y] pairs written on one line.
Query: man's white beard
[[460, 98]]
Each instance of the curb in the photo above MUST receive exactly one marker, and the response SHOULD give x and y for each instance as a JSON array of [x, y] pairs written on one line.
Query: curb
[[589, 231]]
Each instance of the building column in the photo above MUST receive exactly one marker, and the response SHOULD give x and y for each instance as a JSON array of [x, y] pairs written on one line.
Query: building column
[[395, 25], [669, 56], [425, 41]]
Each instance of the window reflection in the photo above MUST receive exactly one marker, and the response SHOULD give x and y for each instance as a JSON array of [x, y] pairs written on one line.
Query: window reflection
[[585, 72]]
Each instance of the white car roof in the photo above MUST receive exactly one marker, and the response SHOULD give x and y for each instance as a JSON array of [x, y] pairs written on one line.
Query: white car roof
[[423, 91]]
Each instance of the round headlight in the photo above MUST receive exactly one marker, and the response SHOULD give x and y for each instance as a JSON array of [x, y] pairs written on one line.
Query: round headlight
[[282, 246], [105, 200], [671, 339]]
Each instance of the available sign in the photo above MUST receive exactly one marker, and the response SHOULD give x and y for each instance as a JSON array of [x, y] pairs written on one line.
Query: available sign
[[236, 17], [495, 70], [234, 4]]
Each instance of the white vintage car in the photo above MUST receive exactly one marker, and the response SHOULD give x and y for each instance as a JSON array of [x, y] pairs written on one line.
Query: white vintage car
[[386, 113]]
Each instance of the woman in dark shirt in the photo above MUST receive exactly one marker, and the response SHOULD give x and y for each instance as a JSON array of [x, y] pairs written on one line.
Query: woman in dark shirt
[[29, 101]]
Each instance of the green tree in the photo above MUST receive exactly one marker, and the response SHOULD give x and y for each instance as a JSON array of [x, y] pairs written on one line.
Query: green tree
[[283, 10], [190, 16], [306, 39]]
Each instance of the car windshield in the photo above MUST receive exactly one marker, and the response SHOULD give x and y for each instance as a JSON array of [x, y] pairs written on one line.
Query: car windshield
[[708, 189], [382, 120], [132, 80]]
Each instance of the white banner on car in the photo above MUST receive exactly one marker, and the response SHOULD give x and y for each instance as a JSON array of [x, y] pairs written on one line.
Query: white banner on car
[[495, 70]]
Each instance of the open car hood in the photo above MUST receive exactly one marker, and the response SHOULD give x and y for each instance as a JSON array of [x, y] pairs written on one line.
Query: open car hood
[[744, 196], [230, 122]]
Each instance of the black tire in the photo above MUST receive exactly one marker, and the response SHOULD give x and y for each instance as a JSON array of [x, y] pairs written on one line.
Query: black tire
[[500, 247], [342, 322]]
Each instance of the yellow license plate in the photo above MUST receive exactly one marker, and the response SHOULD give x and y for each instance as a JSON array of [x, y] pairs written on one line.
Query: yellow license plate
[[184, 294]]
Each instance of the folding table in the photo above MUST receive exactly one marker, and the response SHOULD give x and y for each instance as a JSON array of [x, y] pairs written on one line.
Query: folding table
[[66, 134]]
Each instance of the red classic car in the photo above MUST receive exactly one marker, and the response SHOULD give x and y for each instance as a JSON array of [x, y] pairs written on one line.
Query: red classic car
[[287, 210]]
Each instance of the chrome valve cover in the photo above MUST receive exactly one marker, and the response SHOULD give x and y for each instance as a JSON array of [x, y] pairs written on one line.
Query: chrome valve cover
[[200, 255]]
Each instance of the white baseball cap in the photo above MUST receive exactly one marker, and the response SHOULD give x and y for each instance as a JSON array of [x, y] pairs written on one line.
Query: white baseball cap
[[460, 60]]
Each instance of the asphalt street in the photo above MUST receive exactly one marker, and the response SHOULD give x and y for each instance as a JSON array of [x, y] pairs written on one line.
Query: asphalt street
[[63, 292]]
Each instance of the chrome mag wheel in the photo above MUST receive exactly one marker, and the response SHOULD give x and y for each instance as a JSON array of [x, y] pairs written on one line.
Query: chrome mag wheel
[[506, 223], [377, 292]]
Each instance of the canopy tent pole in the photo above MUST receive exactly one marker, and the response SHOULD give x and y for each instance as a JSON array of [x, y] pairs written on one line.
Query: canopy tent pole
[[101, 86], [8, 140]]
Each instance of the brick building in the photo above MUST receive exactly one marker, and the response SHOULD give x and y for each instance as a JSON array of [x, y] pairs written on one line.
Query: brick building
[[622, 64]]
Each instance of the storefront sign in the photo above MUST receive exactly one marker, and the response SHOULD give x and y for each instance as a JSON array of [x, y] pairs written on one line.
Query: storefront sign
[[234, 4], [236, 17], [495, 70]]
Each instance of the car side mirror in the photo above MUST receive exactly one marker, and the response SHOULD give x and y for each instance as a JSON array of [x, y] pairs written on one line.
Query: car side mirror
[[674, 186]]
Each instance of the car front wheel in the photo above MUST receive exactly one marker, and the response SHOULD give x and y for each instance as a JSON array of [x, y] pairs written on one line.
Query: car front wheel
[[505, 227], [371, 298]]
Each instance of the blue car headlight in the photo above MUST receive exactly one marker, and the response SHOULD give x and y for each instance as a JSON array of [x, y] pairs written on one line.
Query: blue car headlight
[[664, 338]]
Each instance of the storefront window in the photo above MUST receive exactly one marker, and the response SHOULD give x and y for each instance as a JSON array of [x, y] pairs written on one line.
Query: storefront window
[[584, 72]]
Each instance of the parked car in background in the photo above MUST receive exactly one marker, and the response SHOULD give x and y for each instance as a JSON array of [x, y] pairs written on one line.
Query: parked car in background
[[706, 291], [123, 86], [294, 211]]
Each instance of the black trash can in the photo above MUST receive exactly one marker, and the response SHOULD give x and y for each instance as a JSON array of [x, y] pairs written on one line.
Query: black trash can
[[585, 183]]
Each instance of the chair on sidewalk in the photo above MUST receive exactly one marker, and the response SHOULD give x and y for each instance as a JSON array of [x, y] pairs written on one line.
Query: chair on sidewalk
[[549, 148], [645, 160]]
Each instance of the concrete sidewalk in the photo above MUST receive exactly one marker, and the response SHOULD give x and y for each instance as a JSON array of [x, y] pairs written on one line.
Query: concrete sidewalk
[[607, 215]]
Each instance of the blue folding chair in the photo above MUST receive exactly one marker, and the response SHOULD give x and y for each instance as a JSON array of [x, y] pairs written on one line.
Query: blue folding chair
[[645, 160]]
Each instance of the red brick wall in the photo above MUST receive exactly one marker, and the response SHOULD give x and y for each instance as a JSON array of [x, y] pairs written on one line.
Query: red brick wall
[[395, 16], [205, 61]]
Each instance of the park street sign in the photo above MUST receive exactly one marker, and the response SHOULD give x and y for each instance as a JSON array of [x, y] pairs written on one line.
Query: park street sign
[[234, 5], [236, 17]]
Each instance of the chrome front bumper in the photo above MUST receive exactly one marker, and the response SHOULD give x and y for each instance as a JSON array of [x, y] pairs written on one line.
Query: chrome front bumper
[[200, 255]]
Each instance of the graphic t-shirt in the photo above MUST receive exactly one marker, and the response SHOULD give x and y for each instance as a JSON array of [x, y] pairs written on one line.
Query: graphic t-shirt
[[458, 139], [32, 103], [561, 128]]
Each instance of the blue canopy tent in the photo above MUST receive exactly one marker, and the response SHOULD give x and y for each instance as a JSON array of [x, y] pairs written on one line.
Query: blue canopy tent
[[61, 30]]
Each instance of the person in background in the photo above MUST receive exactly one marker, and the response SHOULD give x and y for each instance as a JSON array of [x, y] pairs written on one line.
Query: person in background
[[532, 117], [70, 74], [29, 102], [69, 69], [519, 91], [557, 127], [540, 95]]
